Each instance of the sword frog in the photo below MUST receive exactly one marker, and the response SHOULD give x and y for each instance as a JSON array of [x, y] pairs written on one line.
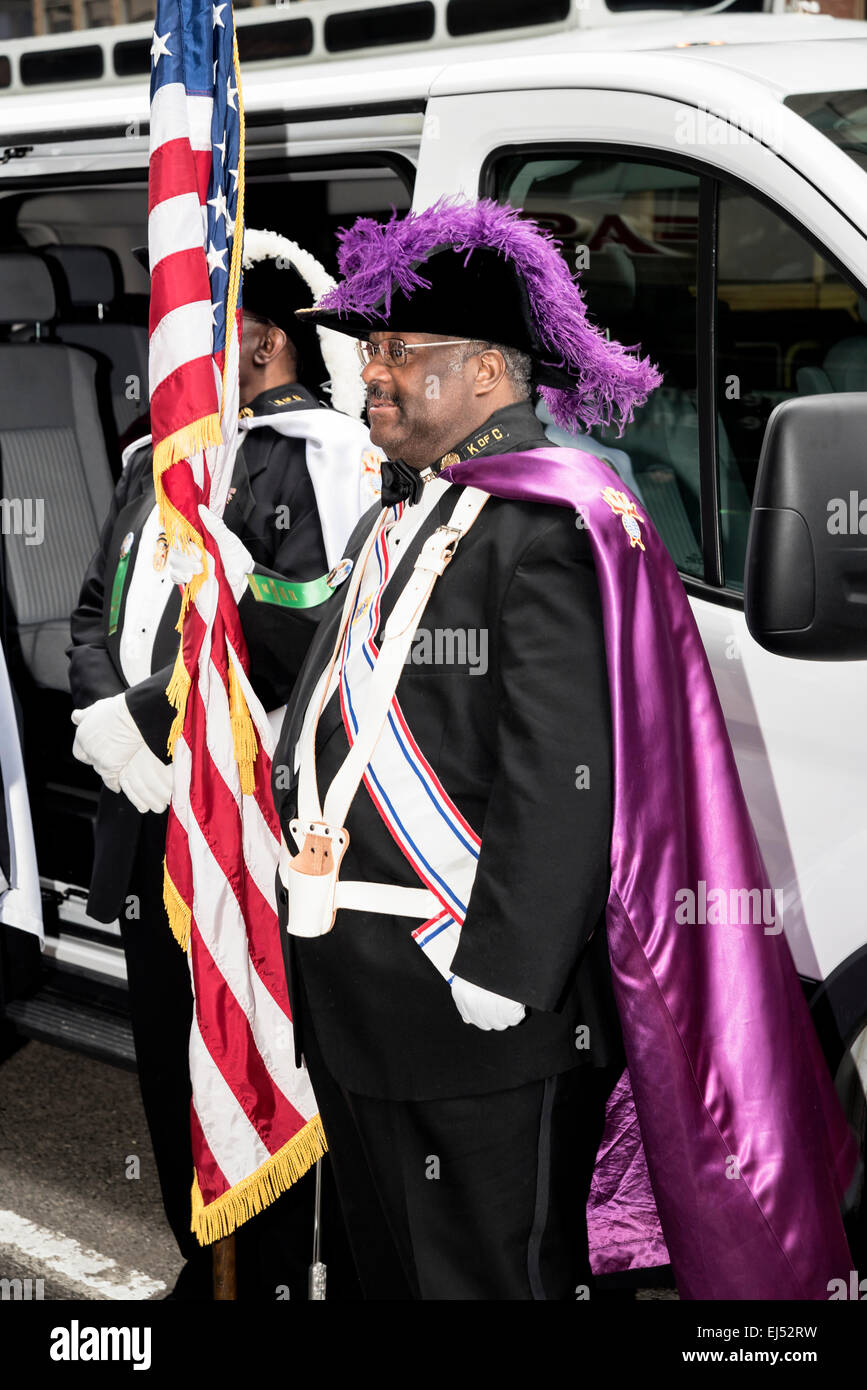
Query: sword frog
[[310, 877]]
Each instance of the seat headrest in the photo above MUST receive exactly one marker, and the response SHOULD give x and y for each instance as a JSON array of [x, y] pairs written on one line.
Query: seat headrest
[[26, 290], [87, 275]]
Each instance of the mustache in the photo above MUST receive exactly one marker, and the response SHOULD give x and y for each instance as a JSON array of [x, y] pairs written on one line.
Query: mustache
[[375, 393]]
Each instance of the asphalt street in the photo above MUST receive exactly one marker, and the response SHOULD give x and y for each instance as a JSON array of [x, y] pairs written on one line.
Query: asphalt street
[[76, 1209], [80, 1210]]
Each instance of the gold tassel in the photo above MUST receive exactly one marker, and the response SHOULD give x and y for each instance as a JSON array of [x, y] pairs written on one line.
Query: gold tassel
[[252, 1194], [178, 913], [177, 691], [243, 733]]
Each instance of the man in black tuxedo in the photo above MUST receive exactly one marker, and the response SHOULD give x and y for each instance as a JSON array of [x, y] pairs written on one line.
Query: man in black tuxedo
[[123, 649], [463, 1115]]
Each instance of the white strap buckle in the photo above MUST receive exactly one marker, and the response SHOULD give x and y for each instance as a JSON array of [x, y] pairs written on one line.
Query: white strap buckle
[[438, 549]]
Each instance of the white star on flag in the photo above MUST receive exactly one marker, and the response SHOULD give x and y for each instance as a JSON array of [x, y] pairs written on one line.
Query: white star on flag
[[218, 204], [158, 47], [234, 173], [215, 307], [218, 10], [231, 93], [222, 148], [215, 257]]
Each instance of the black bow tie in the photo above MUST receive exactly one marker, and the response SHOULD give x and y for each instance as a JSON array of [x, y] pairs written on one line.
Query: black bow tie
[[400, 482]]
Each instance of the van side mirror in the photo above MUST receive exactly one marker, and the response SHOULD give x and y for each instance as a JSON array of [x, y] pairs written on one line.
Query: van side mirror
[[805, 579]]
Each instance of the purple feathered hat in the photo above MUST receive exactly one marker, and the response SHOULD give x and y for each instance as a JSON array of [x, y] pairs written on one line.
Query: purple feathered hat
[[482, 270]]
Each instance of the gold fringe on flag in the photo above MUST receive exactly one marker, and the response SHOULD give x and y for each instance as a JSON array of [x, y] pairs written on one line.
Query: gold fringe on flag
[[188, 440], [177, 691], [252, 1194], [178, 913], [178, 530], [243, 733]]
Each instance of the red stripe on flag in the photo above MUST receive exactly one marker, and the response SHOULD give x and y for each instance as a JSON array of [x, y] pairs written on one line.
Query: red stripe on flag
[[181, 278], [172, 171], [229, 1039], [203, 160], [176, 169], [187, 394], [178, 858], [212, 1180]]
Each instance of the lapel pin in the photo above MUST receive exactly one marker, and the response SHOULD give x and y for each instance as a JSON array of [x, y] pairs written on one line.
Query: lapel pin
[[340, 572]]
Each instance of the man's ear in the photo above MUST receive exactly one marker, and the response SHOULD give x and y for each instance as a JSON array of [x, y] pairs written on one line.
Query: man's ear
[[270, 345], [490, 371]]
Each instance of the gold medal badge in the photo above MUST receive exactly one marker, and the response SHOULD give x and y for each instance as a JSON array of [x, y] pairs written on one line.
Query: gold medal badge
[[161, 552]]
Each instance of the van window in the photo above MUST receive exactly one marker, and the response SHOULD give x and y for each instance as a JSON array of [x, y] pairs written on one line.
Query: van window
[[306, 202], [630, 230], [787, 323], [840, 116]]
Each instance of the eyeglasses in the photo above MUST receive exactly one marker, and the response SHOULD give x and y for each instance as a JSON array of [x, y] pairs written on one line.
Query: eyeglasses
[[393, 351]]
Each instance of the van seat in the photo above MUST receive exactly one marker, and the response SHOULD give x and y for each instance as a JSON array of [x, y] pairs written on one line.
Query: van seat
[[844, 367], [56, 481], [88, 282]]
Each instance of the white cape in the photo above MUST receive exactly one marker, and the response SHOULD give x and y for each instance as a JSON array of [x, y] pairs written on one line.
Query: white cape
[[342, 463]]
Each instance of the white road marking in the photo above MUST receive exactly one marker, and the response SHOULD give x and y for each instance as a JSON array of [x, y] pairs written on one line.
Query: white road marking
[[67, 1257]]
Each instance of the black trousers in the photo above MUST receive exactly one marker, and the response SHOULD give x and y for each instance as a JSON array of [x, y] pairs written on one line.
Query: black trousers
[[273, 1249], [475, 1197]]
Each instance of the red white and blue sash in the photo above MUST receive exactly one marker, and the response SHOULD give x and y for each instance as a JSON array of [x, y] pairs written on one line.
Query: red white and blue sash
[[424, 822]]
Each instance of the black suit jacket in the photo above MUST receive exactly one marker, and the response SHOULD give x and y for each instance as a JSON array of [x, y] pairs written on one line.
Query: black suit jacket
[[507, 745], [270, 473]]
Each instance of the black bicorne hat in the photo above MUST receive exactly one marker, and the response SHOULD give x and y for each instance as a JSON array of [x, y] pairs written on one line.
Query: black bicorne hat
[[480, 296], [481, 270]]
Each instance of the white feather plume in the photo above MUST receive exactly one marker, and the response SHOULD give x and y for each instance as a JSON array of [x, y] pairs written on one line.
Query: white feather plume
[[338, 350]]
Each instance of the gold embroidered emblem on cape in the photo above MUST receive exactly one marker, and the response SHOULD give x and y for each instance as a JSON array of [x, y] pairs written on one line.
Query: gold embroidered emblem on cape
[[621, 505]]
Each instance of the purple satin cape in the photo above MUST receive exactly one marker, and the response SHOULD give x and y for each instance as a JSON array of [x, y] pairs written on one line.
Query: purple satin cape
[[738, 1124]]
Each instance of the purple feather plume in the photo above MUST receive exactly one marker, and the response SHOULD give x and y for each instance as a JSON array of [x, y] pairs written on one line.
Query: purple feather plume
[[377, 259]]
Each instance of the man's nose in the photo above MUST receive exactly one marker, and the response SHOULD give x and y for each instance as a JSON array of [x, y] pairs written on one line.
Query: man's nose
[[376, 373]]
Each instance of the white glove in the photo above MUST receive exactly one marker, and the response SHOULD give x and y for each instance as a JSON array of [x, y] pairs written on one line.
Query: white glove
[[486, 1010], [147, 782], [181, 565], [237, 560], [109, 739]]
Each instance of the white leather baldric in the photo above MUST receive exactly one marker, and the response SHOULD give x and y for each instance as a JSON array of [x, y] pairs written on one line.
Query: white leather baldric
[[314, 896]]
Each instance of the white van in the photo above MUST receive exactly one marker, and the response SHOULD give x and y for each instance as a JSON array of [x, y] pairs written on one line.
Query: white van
[[706, 173]]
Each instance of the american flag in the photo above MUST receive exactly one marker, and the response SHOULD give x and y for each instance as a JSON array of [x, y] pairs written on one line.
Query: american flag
[[254, 1119]]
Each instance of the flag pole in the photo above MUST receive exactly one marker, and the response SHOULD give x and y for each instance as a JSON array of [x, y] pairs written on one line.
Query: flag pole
[[317, 1274], [225, 1282]]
